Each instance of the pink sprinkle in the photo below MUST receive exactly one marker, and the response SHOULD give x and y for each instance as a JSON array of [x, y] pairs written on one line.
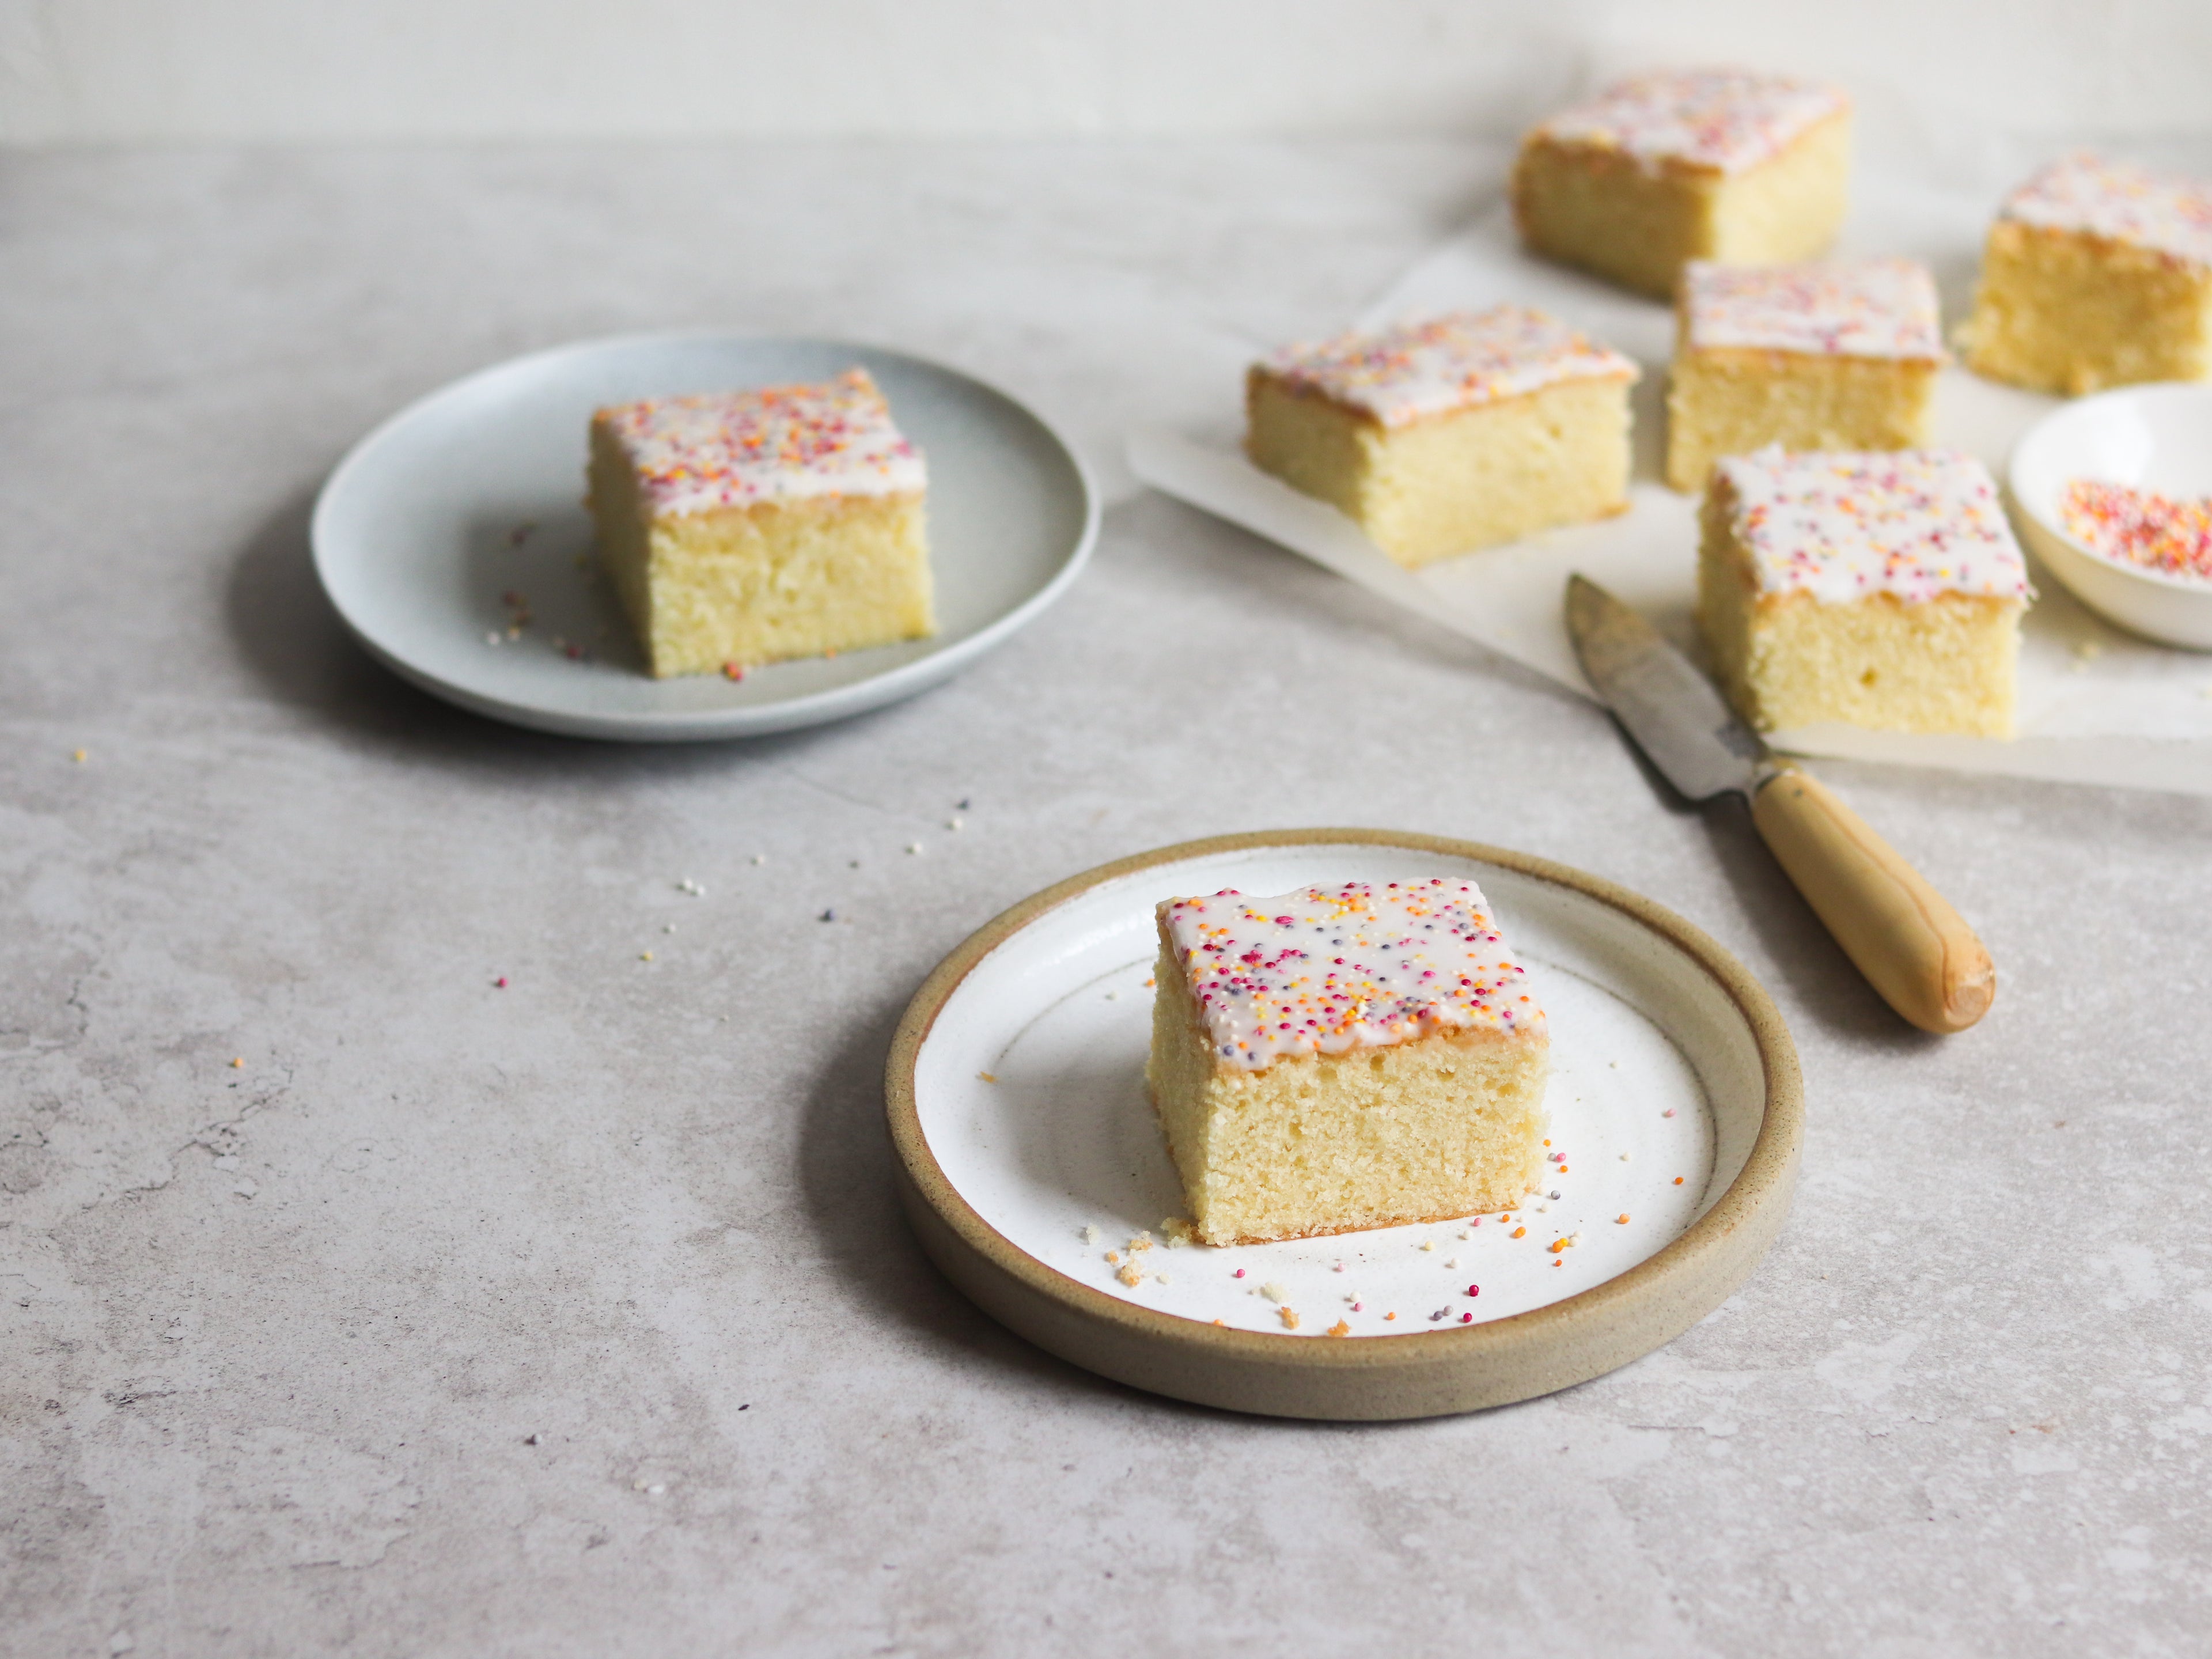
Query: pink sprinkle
[[1357, 1306], [1474, 1290], [1239, 1273], [1467, 1319], [1669, 1112], [500, 982]]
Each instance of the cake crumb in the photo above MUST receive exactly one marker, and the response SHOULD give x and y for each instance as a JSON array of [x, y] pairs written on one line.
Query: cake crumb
[[1141, 1242], [1288, 1316], [1274, 1291], [1090, 1234], [1113, 1255], [988, 1077], [1178, 1231], [1342, 1327], [1129, 1275]]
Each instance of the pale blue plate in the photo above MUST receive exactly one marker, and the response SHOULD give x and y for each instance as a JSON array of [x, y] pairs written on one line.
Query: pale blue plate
[[475, 492]]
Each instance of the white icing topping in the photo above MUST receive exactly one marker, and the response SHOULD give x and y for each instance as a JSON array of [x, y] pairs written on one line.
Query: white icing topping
[[1416, 369], [780, 443], [1859, 308], [1327, 969], [1726, 119], [2125, 203], [1911, 523]]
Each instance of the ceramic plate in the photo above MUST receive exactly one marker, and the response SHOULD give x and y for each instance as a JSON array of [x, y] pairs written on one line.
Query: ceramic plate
[[1038, 1179], [464, 510]]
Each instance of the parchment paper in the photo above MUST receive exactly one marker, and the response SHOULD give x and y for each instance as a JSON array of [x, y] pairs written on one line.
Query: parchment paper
[[2097, 705]]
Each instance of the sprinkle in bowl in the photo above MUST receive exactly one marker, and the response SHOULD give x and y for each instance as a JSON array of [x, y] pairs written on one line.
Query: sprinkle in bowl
[[2153, 439]]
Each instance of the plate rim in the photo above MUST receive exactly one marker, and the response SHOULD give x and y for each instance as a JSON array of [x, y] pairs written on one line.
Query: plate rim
[[890, 686], [1420, 1374]]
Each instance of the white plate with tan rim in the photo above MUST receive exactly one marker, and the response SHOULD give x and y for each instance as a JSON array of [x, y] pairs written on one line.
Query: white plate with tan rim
[[1035, 1173], [462, 514]]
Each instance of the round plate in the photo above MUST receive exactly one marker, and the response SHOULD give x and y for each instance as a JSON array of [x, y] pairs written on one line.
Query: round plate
[[2148, 437], [475, 494], [1029, 1150]]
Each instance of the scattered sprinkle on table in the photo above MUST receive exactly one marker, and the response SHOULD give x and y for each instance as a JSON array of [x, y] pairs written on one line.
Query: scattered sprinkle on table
[[645, 955], [499, 983], [1520, 1232], [1090, 1233], [1621, 1220], [237, 1063], [78, 756], [1678, 1180]]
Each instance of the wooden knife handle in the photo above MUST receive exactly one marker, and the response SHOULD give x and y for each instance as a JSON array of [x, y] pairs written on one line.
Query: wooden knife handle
[[1905, 938]]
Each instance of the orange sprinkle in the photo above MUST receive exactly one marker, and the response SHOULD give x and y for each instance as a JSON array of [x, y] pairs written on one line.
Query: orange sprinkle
[[1520, 1232], [1389, 1315], [238, 1064], [986, 1077], [1678, 1180], [1622, 1219]]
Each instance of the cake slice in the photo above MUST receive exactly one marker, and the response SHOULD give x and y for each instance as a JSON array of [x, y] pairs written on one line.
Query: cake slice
[[1879, 590], [1345, 1057], [1809, 356], [2096, 273], [1712, 164], [1444, 435], [749, 528]]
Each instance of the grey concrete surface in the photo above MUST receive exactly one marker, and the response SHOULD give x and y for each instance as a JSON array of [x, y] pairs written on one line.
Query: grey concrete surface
[[576, 1319]]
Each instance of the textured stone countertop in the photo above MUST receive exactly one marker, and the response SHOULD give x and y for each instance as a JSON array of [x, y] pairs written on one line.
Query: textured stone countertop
[[571, 1320]]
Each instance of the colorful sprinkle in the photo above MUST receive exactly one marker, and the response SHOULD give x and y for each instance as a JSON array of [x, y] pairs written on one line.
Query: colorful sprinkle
[[1325, 970], [2162, 212], [1416, 369], [1913, 524], [1727, 119], [2170, 534], [1852, 308], [732, 448]]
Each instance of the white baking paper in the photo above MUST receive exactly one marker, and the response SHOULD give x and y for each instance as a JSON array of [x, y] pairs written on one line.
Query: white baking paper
[[2097, 705]]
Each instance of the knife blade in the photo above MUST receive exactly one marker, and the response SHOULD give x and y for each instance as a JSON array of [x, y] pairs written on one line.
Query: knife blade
[[1914, 948]]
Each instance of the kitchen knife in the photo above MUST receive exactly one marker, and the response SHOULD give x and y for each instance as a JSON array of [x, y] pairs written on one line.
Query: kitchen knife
[[1912, 946]]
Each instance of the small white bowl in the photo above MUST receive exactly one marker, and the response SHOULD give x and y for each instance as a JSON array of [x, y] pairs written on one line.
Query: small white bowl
[[2149, 437]]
